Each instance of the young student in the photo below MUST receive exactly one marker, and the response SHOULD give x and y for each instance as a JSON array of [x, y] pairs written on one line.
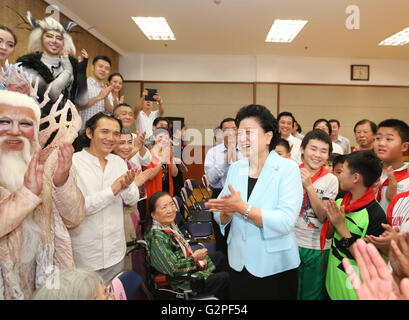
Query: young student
[[398, 212], [392, 140], [351, 218], [318, 185], [337, 166], [283, 148], [330, 160], [397, 216]]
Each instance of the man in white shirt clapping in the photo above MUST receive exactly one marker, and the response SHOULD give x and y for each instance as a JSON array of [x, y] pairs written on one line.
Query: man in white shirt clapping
[[106, 183]]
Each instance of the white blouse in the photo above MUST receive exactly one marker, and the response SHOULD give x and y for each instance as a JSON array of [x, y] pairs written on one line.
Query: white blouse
[[99, 241]]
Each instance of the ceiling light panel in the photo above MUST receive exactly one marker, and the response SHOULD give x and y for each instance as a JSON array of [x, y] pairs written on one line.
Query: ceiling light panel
[[155, 28], [285, 30], [399, 39]]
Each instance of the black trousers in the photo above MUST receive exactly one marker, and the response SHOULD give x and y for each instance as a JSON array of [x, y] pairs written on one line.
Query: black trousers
[[218, 282], [221, 241], [280, 286]]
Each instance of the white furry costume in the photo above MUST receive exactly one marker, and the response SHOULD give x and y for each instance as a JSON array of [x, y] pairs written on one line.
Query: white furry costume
[[34, 237]]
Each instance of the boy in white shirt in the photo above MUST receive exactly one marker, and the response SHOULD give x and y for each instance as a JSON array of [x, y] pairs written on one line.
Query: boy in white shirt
[[319, 185], [391, 141]]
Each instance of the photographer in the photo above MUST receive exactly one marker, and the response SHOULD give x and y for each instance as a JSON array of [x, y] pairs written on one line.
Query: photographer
[[144, 116]]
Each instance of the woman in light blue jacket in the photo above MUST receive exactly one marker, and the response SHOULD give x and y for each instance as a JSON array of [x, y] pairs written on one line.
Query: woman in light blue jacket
[[261, 201]]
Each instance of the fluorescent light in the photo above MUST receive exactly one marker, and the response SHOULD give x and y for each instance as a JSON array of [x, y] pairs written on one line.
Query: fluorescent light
[[399, 39], [285, 30], [155, 28]]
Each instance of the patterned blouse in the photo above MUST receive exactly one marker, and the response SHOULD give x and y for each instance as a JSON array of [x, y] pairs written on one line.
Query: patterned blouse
[[168, 256]]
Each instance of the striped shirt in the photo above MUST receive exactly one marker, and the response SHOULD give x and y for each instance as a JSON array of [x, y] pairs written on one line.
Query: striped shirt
[[344, 143], [94, 88]]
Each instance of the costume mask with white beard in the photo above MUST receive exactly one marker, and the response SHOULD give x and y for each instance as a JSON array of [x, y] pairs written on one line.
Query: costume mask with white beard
[[13, 166]]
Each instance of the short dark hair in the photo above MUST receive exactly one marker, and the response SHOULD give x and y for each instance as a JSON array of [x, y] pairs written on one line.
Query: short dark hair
[[121, 105], [115, 74], [336, 121], [367, 164], [284, 143], [372, 124], [152, 207], [299, 129], [83, 140], [3, 27], [333, 156], [126, 130], [264, 117], [326, 123], [105, 58], [286, 114], [400, 126], [226, 120], [338, 158], [158, 119], [317, 135]]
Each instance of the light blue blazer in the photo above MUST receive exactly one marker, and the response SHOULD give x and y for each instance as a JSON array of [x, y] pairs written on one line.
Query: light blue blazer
[[278, 193]]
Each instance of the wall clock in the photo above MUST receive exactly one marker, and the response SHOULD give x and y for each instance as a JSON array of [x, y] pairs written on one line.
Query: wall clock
[[360, 72]]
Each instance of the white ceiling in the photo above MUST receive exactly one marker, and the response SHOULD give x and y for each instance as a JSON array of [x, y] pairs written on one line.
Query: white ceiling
[[240, 26]]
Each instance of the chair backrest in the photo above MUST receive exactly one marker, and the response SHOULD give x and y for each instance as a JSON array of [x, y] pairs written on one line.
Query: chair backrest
[[206, 182], [126, 285], [191, 184], [179, 217], [184, 194], [178, 203]]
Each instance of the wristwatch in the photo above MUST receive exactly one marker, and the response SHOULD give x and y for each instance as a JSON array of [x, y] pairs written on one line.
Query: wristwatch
[[347, 242]]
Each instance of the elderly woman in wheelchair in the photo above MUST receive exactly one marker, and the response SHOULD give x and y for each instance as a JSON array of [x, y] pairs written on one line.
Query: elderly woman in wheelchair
[[172, 255]]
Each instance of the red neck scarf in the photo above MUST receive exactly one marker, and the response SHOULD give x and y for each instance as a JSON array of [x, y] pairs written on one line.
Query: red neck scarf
[[316, 176], [349, 206], [399, 176], [183, 244], [363, 201]]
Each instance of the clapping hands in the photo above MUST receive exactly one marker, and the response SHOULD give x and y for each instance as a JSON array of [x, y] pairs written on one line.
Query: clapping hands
[[377, 281], [125, 180]]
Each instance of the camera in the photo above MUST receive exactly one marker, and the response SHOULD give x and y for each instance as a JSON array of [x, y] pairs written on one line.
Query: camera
[[151, 93]]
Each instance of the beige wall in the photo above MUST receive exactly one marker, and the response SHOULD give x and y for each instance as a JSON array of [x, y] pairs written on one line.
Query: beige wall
[[266, 95], [204, 105], [348, 104]]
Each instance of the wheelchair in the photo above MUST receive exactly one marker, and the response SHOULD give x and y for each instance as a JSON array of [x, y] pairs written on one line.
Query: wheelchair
[[158, 286]]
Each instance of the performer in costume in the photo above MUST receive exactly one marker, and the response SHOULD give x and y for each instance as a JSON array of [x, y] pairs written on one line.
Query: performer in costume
[[39, 199], [50, 44]]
